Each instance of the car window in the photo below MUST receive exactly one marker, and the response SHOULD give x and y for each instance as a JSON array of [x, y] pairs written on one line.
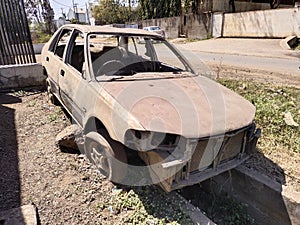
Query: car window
[[127, 55], [75, 57], [139, 48], [170, 59], [61, 43], [155, 28]]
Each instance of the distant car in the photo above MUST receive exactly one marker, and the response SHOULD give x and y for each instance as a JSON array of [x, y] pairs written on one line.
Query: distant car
[[146, 99], [155, 29]]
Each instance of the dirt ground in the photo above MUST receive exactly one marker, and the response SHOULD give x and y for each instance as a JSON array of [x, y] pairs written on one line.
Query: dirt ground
[[65, 187]]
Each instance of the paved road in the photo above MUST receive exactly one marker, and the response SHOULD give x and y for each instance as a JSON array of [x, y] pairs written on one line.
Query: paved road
[[285, 66], [258, 54]]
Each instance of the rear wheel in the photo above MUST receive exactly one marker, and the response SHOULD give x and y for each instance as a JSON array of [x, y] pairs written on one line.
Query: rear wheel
[[107, 155]]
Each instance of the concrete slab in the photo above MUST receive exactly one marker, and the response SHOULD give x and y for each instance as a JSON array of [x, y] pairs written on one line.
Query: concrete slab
[[269, 202], [24, 215], [21, 76], [194, 213]]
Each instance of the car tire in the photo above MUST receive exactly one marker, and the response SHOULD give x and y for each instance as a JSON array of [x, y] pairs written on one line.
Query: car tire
[[107, 155]]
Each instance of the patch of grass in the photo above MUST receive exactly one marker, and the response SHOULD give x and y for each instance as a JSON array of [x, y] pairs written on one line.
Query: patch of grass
[[54, 116], [31, 104], [272, 102], [147, 205], [231, 212], [20, 93]]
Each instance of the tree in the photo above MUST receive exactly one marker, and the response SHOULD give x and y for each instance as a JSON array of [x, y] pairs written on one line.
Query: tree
[[160, 8], [41, 12], [112, 11], [232, 5], [274, 4]]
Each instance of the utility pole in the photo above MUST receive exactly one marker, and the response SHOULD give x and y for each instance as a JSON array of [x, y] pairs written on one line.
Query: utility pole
[[87, 13], [75, 10], [62, 12]]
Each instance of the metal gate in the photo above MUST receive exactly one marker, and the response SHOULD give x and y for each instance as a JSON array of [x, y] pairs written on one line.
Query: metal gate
[[15, 40]]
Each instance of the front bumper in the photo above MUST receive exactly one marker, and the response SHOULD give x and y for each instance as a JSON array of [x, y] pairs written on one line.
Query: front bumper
[[198, 160]]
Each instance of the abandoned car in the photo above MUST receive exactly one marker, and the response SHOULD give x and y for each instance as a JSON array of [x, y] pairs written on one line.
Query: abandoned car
[[144, 97], [155, 29]]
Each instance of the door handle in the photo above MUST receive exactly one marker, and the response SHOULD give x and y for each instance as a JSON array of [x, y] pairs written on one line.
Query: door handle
[[62, 73]]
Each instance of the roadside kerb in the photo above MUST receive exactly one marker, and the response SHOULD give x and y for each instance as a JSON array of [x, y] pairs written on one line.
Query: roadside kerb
[[269, 202]]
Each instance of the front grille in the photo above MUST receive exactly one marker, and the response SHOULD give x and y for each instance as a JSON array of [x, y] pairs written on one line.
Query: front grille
[[217, 148]]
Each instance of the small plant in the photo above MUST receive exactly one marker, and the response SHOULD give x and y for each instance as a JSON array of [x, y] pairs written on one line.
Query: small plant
[[32, 104], [20, 93], [297, 48], [53, 117]]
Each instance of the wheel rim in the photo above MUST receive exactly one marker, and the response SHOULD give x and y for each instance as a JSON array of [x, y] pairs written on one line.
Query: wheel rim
[[99, 158]]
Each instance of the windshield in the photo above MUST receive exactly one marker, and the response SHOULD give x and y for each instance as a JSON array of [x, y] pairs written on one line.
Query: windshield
[[115, 55]]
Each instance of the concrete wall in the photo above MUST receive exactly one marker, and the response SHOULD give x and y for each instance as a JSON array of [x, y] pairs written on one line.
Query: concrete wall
[[21, 76], [190, 25], [267, 23], [242, 6], [198, 26]]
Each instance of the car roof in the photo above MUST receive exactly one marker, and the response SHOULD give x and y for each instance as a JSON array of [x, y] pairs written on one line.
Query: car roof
[[111, 30]]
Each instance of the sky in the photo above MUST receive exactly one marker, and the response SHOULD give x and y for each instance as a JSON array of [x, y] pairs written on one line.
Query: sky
[[66, 5]]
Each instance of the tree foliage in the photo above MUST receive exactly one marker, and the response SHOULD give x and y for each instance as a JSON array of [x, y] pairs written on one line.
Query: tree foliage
[[41, 12], [160, 8], [113, 11]]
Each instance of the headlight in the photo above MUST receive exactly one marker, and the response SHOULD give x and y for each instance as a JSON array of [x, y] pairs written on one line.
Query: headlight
[[148, 140]]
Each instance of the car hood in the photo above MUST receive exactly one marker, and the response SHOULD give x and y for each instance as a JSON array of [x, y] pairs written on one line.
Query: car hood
[[193, 107]]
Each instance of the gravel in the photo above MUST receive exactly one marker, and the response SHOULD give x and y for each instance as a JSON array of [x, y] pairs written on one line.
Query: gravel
[[65, 188]]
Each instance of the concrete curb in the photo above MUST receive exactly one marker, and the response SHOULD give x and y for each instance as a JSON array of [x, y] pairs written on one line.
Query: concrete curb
[[291, 199], [268, 202], [194, 213], [24, 215]]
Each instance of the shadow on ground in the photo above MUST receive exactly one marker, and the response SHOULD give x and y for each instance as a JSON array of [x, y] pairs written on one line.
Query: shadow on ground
[[243, 195], [10, 191]]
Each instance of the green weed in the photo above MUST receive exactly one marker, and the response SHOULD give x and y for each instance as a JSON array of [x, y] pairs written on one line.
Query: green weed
[[272, 102]]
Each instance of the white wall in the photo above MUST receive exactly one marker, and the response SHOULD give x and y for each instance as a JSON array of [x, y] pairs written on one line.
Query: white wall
[[267, 23]]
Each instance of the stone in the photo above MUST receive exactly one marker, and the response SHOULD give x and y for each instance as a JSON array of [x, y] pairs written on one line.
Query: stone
[[70, 139]]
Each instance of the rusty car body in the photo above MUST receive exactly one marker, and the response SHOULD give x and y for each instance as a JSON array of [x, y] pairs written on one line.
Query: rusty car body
[[145, 97]]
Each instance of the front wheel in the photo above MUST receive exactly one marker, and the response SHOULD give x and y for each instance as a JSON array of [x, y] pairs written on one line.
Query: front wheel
[[107, 155]]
